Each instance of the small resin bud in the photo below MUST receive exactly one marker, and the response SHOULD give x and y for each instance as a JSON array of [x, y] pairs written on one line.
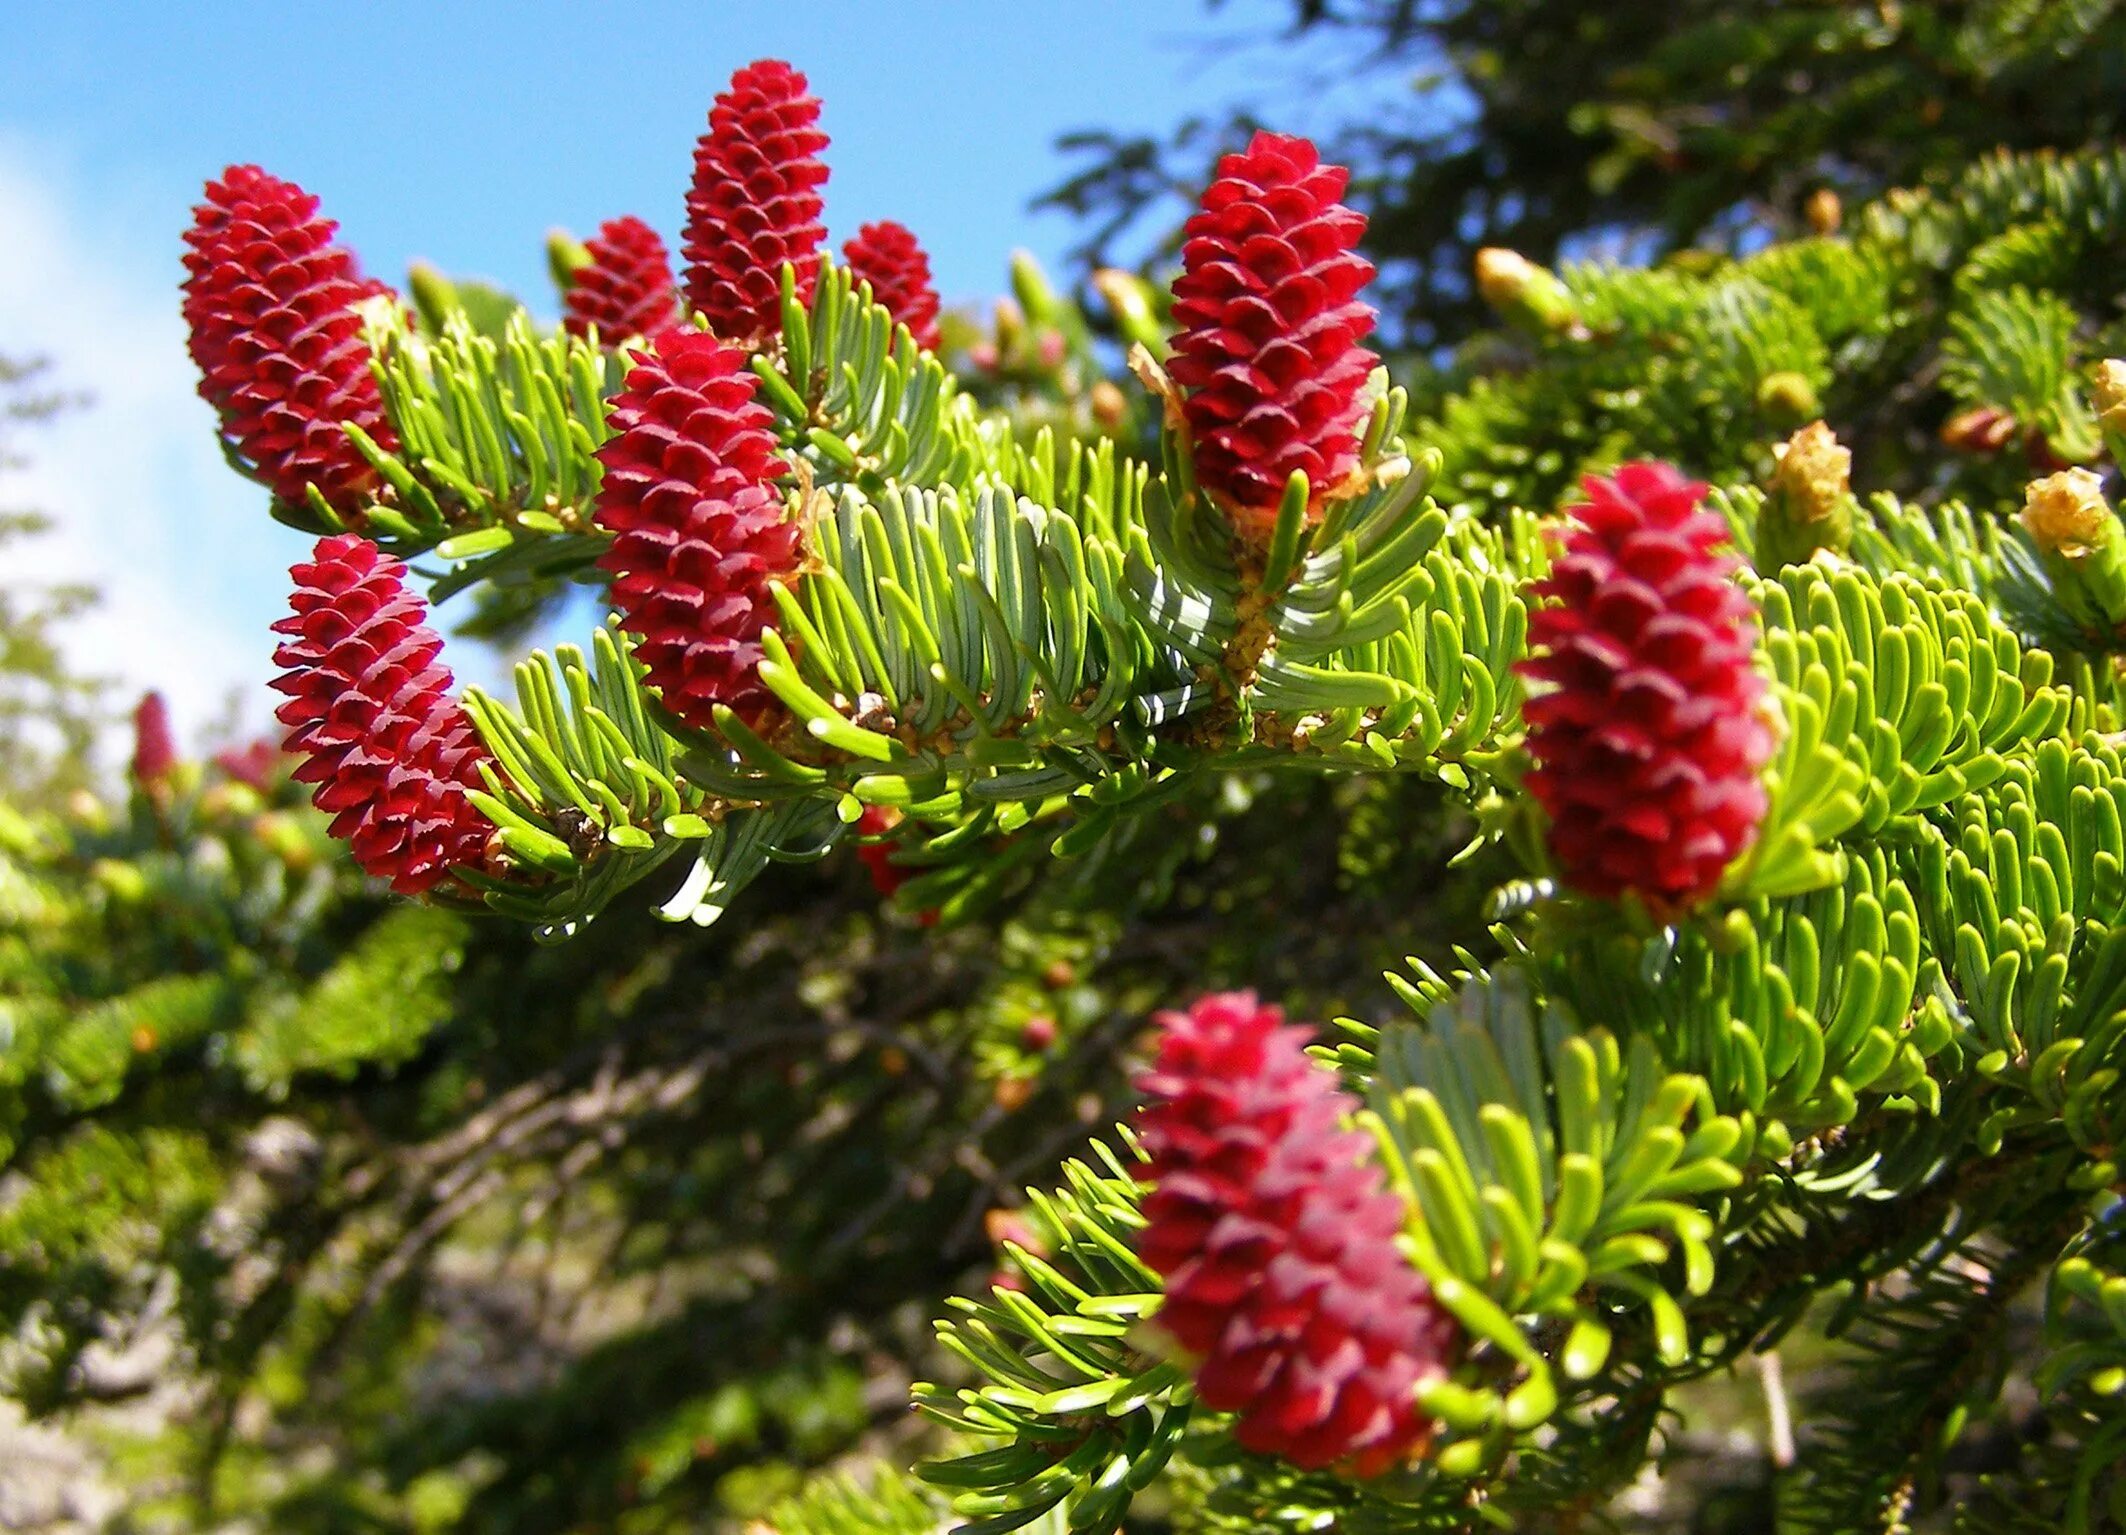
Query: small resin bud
[[434, 295], [2078, 539], [1809, 505], [1109, 406], [1522, 293], [1036, 294], [1037, 1034], [1129, 301], [1010, 326], [876, 850], [565, 254], [2108, 394], [1824, 211], [1982, 430], [1787, 398]]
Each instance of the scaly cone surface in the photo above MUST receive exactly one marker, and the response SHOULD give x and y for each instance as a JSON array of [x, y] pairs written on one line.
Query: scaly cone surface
[[276, 328], [1276, 1238], [755, 203], [626, 287], [890, 258], [371, 711], [699, 525], [1270, 323], [1647, 720]]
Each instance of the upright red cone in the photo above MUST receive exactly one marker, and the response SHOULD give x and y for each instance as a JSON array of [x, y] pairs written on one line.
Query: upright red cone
[[154, 748], [1270, 323], [370, 710], [626, 288], [755, 202], [1647, 721], [890, 258], [1276, 1239], [689, 492], [272, 302]]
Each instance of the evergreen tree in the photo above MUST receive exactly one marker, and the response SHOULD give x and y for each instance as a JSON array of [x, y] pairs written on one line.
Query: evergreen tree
[[1560, 126], [48, 715], [1707, 683]]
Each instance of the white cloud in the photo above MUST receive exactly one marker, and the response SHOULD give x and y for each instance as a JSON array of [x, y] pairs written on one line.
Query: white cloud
[[190, 568]]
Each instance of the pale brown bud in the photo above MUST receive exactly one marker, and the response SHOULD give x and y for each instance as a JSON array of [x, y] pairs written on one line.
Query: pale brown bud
[[1815, 472], [2108, 392], [1108, 405], [1981, 429], [1787, 397], [1521, 291], [1825, 212], [2066, 514]]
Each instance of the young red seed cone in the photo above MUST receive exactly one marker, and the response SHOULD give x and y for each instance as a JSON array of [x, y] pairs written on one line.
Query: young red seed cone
[[370, 710], [890, 258], [1276, 1239], [700, 530], [154, 748], [1270, 323], [271, 303], [626, 288], [755, 202], [1647, 721], [887, 877], [253, 763]]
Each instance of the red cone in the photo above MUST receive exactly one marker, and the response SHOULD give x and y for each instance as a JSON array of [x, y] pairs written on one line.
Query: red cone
[[1276, 1239], [1647, 724]]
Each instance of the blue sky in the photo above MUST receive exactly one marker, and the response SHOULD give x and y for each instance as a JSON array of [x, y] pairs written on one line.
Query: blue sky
[[459, 133]]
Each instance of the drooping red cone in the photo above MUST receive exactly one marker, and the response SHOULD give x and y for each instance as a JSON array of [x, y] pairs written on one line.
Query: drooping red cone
[[154, 749], [1647, 723], [370, 710], [1270, 324], [626, 288], [689, 491], [1276, 1238], [755, 202], [272, 302], [890, 258]]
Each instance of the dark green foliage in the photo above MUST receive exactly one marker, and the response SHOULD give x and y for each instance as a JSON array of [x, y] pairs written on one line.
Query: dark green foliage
[[1548, 126]]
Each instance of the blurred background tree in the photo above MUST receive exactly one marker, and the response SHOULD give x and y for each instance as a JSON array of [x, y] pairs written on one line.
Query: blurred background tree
[[48, 715], [1567, 127]]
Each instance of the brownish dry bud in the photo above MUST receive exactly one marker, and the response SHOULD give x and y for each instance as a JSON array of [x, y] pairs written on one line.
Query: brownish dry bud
[[2066, 514], [1109, 406], [2107, 391], [1521, 292], [1815, 472]]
